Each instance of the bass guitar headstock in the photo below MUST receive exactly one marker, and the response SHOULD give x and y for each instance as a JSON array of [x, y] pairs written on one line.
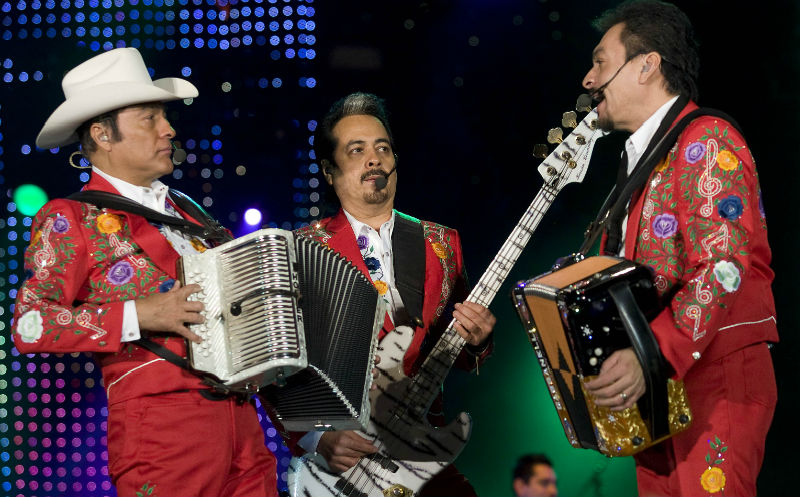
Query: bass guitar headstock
[[568, 162]]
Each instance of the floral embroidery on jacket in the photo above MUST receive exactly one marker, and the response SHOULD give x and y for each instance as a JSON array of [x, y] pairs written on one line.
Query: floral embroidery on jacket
[[439, 239]]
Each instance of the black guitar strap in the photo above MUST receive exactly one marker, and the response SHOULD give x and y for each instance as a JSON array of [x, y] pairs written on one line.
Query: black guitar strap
[[408, 248]]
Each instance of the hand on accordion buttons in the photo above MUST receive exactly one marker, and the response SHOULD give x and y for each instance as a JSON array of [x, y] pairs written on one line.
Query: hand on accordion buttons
[[474, 322], [343, 449], [170, 311], [620, 382]]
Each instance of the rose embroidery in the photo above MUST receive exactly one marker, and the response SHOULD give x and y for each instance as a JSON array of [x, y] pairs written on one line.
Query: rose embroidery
[[665, 225], [727, 160], [695, 152], [61, 224], [363, 242], [713, 480], [381, 286], [730, 208], [29, 326], [727, 275], [166, 285], [439, 250], [120, 273], [108, 223], [372, 263]]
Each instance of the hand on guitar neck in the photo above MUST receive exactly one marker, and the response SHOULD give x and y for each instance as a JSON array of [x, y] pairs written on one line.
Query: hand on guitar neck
[[474, 322]]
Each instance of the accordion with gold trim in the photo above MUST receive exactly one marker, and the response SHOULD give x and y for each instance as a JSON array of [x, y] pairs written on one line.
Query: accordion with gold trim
[[576, 316]]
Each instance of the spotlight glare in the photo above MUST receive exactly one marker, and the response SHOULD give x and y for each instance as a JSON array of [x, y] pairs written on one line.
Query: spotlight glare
[[252, 217]]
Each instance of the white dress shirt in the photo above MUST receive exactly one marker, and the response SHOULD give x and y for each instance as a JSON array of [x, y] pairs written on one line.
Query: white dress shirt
[[635, 146]]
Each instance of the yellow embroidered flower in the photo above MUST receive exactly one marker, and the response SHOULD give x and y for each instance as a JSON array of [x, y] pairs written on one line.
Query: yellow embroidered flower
[[662, 165], [713, 480], [108, 223], [198, 245], [439, 250], [36, 236], [727, 160], [381, 286]]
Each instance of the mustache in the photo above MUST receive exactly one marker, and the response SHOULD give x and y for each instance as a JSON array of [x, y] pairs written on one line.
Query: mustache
[[374, 172]]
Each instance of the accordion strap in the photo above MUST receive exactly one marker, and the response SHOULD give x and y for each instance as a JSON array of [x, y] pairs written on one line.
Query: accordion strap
[[219, 390], [210, 229], [656, 407]]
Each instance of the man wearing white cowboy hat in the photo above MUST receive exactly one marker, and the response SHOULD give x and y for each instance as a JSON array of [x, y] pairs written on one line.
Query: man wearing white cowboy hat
[[103, 280]]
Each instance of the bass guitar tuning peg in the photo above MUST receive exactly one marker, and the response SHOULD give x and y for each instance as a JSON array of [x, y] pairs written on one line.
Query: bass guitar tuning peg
[[555, 136], [569, 119], [584, 103], [541, 151]]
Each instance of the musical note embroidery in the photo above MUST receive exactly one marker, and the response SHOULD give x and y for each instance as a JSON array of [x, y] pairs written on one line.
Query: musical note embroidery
[[45, 256], [707, 186], [649, 207], [123, 248], [694, 313]]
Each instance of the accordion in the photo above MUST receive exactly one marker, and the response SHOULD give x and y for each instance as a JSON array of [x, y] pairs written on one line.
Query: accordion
[[292, 313], [578, 315]]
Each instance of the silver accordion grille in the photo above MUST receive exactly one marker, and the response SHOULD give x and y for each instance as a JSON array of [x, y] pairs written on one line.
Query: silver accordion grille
[[291, 314]]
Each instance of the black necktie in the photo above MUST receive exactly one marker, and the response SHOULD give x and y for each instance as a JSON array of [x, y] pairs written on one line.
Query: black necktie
[[614, 224]]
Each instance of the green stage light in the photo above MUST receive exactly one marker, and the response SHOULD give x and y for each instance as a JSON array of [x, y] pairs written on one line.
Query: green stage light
[[29, 199]]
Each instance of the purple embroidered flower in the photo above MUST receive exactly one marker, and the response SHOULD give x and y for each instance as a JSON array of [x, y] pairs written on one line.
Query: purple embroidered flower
[[166, 285], [372, 263], [120, 273], [730, 208], [61, 224], [695, 152], [363, 242], [761, 205], [665, 225]]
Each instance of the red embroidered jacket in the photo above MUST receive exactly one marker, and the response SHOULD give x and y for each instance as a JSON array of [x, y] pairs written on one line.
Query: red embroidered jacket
[[82, 264], [699, 223]]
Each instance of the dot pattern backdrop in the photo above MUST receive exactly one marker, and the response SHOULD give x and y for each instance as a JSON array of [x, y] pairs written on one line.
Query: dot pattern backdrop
[[247, 146]]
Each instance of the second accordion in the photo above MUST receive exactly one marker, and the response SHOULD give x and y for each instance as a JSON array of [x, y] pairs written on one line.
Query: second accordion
[[576, 316], [290, 314]]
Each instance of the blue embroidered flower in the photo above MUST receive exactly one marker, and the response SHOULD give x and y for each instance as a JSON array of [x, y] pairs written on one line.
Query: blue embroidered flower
[[166, 285], [120, 273], [730, 208], [61, 224], [372, 263], [363, 242]]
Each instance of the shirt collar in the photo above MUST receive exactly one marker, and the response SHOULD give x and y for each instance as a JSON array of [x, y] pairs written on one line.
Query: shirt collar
[[153, 197], [361, 228], [636, 144]]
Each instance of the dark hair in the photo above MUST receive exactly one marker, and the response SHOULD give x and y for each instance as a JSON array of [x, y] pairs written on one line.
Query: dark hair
[[108, 119], [355, 104], [524, 468], [653, 26]]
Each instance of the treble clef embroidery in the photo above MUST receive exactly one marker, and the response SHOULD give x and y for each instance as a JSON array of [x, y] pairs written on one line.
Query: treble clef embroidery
[[649, 207], [45, 256], [707, 186], [85, 320]]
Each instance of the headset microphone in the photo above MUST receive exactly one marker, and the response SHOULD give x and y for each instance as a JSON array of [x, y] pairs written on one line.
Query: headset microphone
[[382, 181], [178, 155]]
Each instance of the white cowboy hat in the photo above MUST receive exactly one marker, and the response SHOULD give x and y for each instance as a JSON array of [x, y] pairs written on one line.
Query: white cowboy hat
[[108, 81]]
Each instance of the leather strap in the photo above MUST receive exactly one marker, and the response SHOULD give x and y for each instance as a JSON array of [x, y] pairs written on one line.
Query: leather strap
[[210, 230], [408, 250]]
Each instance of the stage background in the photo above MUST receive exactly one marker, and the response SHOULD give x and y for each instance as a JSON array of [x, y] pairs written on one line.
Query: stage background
[[472, 86]]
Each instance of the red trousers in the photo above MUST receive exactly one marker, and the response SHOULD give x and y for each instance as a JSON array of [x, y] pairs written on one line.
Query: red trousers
[[732, 402], [181, 445]]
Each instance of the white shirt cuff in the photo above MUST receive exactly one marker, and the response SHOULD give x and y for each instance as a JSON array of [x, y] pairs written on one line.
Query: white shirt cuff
[[310, 441], [130, 322]]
